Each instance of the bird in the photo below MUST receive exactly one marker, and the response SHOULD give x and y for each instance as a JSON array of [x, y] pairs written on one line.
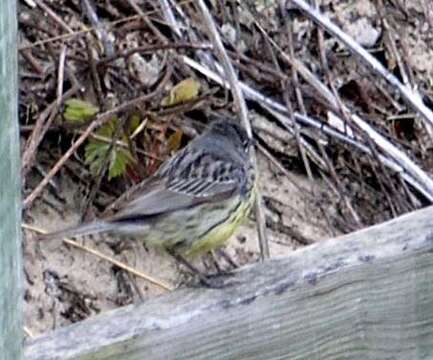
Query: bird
[[194, 202]]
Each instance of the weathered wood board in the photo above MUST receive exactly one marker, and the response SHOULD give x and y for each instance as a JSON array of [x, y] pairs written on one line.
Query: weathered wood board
[[367, 295]]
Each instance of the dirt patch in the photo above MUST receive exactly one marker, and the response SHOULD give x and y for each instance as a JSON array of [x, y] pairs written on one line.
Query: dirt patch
[[65, 284]]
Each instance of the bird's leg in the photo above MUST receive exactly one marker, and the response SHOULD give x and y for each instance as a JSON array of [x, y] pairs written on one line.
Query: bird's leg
[[204, 279], [179, 258], [214, 256], [227, 258]]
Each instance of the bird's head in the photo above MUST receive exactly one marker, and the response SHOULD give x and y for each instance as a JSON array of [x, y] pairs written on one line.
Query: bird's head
[[234, 132]]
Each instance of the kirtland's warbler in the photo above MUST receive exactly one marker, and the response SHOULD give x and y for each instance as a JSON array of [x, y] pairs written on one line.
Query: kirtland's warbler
[[196, 199]]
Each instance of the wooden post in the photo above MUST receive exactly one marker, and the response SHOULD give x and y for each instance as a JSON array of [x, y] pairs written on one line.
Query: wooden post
[[10, 199], [366, 295]]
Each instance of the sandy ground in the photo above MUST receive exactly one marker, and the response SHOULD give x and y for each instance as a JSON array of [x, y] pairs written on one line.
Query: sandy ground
[[65, 284]]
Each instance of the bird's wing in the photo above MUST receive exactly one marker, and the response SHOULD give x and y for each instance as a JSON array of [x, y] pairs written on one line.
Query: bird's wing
[[181, 189]]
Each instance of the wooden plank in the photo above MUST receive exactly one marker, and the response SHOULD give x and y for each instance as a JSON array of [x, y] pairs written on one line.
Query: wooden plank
[[10, 192], [367, 295]]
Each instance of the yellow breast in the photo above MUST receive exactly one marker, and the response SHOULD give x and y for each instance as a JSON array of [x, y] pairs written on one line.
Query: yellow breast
[[221, 233]]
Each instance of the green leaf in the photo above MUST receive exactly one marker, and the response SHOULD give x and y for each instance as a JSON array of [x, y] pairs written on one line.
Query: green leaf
[[119, 161], [96, 152], [184, 91], [175, 140], [134, 123], [79, 111], [109, 128]]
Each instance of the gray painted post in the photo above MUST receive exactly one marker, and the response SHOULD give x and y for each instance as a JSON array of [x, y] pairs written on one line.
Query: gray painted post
[[10, 199]]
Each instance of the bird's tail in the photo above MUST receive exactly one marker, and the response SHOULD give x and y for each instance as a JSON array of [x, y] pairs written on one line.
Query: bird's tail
[[91, 228]]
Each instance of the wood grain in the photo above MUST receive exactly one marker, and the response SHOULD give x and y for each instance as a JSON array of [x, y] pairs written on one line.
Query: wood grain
[[367, 295]]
